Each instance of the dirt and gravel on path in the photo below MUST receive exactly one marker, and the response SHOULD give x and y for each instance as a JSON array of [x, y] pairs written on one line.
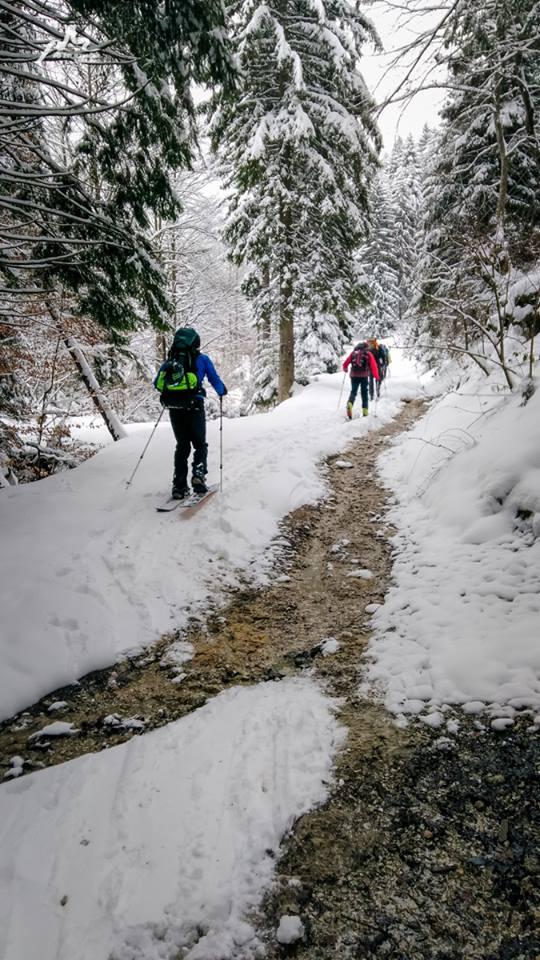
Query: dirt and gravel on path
[[428, 847], [257, 634]]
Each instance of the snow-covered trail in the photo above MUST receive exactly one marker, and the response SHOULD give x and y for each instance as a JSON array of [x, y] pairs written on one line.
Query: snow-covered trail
[[89, 571], [161, 845], [166, 841]]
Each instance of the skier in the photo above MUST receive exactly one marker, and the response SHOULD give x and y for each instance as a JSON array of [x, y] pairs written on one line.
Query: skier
[[179, 381], [363, 366]]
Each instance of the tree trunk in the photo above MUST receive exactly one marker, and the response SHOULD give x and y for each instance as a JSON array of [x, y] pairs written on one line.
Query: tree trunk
[[504, 164], [286, 342], [114, 426], [503, 259], [286, 316]]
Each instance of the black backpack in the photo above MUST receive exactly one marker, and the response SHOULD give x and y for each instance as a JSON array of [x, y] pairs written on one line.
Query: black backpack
[[360, 362], [178, 381]]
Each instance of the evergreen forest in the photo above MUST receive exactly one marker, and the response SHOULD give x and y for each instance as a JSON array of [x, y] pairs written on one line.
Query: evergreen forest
[[220, 165]]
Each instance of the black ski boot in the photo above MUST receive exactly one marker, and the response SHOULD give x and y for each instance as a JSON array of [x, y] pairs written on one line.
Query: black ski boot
[[179, 493], [198, 480]]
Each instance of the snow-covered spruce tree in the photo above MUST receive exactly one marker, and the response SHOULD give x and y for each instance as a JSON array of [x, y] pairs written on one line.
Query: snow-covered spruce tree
[[390, 257], [82, 225], [299, 145], [96, 110], [411, 323], [405, 177], [380, 258], [484, 241]]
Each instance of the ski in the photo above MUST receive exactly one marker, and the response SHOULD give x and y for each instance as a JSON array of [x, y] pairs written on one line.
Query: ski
[[168, 505], [193, 503], [193, 500]]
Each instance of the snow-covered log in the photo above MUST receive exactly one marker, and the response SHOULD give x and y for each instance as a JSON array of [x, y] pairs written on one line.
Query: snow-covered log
[[114, 426]]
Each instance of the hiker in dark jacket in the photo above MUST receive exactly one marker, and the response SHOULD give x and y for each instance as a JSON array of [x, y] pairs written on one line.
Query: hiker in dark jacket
[[363, 366], [384, 360], [380, 355], [186, 410]]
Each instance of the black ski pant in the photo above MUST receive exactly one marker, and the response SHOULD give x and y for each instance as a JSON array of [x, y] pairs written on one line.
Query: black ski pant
[[189, 427], [361, 382]]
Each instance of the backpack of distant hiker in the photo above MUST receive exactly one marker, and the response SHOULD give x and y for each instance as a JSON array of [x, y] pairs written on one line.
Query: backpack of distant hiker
[[383, 355], [177, 380], [360, 362]]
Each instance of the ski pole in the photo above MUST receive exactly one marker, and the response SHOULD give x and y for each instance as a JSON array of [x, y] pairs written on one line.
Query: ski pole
[[145, 449], [221, 444], [341, 391]]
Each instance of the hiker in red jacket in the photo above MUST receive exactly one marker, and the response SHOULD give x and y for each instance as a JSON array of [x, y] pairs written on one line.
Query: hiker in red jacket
[[363, 365]]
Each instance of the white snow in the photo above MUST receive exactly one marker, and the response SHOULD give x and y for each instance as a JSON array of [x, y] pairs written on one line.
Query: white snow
[[114, 720], [165, 844], [162, 844], [501, 723], [329, 645], [90, 571], [59, 728], [290, 929], [460, 624], [15, 768], [178, 653]]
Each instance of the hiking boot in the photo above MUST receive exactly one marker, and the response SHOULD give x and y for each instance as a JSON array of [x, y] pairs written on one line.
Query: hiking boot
[[365, 411], [198, 481], [178, 493], [199, 486], [349, 410]]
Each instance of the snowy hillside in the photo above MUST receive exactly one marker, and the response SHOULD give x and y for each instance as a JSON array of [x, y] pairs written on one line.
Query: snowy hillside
[[461, 623]]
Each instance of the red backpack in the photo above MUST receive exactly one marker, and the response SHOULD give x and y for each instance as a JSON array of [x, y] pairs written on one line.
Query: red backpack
[[360, 362]]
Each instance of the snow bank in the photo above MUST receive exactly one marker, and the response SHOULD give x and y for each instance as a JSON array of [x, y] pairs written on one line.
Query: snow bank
[[163, 844], [461, 622]]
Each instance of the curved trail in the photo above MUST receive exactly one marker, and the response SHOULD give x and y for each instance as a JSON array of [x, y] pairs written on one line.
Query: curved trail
[[414, 826], [261, 634]]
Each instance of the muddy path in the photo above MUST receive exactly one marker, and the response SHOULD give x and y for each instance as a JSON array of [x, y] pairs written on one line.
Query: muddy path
[[428, 846], [426, 850], [256, 635]]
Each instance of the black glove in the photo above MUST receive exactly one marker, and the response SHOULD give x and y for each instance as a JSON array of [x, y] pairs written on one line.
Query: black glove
[[225, 391]]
